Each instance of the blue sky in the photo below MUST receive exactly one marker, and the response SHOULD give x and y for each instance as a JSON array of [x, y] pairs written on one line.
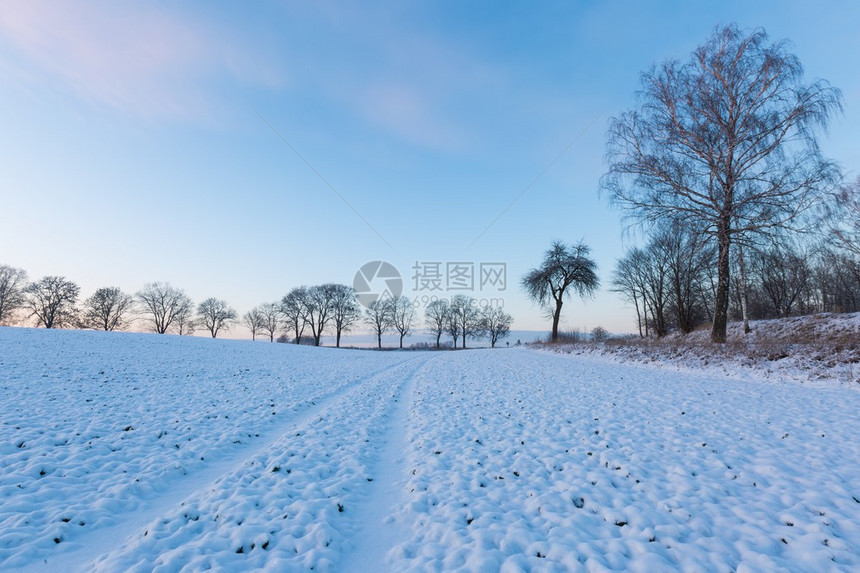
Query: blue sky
[[132, 149]]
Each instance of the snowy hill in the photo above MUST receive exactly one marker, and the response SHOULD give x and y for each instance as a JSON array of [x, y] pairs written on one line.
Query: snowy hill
[[132, 452]]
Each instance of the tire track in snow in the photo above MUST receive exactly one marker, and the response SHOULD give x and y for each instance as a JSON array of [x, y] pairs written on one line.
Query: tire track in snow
[[377, 530], [80, 554], [286, 501]]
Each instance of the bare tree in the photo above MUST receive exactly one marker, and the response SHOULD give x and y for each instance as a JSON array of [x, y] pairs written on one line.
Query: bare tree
[[452, 326], [688, 256], [599, 334], [628, 279], [12, 291], [496, 323], [564, 269], [379, 317], [845, 216], [185, 323], [319, 303], [784, 277], [402, 316], [345, 311], [294, 309], [216, 315], [165, 304], [726, 142], [272, 319], [436, 317], [254, 320], [465, 315], [51, 300], [107, 309]]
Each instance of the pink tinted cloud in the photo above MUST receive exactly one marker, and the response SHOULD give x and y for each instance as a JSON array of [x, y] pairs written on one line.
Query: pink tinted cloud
[[133, 57]]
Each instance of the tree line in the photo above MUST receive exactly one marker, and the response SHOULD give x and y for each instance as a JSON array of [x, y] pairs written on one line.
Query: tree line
[[303, 315]]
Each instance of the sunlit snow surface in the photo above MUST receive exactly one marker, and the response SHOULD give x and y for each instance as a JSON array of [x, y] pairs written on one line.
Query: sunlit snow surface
[[143, 452]]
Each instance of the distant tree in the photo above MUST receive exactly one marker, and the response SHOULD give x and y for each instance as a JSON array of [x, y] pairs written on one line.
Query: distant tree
[[452, 326], [319, 303], [845, 216], [379, 317], [107, 309], [628, 279], [345, 310], [216, 315], [783, 276], [272, 319], [52, 300], [688, 257], [186, 323], [599, 334], [165, 304], [564, 269], [656, 275], [294, 307], [13, 283], [254, 320], [402, 316], [466, 316], [436, 318], [496, 323], [726, 142]]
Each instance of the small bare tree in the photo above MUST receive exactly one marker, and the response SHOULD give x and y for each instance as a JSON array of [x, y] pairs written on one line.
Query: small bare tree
[[345, 311], [294, 307], [254, 320], [272, 319], [185, 323], [564, 269], [436, 318], [599, 334], [165, 304], [496, 323], [845, 216], [12, 291], [52, 300], [379, 317], [464, 312], [216, 315], [402, 316], [107, 309]]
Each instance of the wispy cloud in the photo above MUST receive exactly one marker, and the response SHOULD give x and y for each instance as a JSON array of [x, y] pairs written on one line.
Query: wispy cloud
[[137, 58]]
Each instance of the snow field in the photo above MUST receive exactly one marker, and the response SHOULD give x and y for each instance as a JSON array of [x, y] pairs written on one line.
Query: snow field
[[97, 430], [186, 454], [527, 461]]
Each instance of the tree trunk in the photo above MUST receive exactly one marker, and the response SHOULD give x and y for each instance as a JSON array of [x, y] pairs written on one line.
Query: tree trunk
[[721, 304], [555, 318], [743, 288], [379, 339], [401, 341], [438, 336], [337, 341], [638, 315]]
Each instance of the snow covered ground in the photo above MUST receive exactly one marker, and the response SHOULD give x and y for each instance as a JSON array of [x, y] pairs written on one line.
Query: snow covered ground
[[143, 452]]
